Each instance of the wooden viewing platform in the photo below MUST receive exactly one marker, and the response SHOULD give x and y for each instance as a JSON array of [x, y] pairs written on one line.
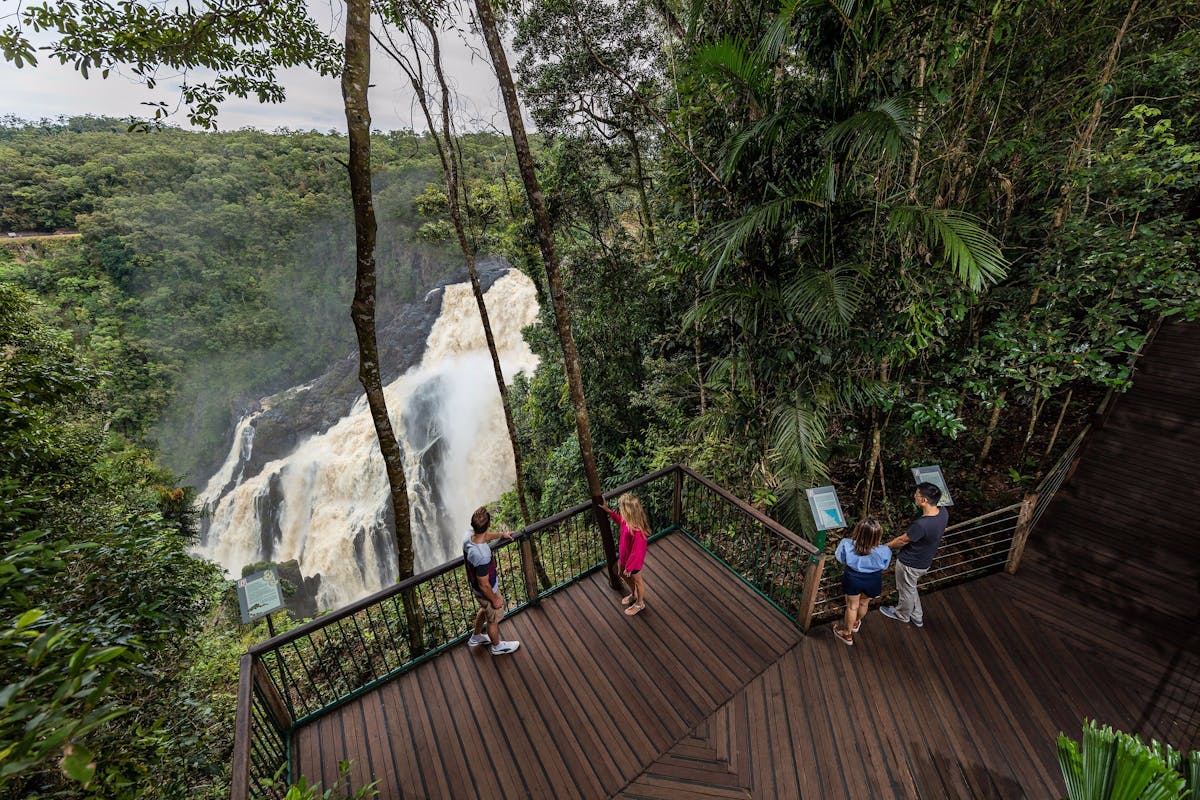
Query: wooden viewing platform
[[712, 692]]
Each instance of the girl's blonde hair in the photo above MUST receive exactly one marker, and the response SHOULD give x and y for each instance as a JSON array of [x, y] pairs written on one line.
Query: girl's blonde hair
[[630, 509], [868, 534]]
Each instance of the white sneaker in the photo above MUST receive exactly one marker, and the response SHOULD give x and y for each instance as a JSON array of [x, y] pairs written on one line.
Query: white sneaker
[[482, 638], [504, 647]]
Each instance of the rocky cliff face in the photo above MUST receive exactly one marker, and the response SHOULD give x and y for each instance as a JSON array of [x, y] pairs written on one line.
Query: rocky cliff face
[[295, 414]]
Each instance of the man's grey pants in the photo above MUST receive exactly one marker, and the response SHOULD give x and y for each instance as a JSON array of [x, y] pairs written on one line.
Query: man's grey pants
[[909, 607]]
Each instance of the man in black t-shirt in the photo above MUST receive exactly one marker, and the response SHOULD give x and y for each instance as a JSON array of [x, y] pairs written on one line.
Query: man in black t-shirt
[[917, 547]]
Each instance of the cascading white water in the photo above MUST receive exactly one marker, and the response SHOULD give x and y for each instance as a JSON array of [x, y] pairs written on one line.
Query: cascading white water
[[327, 501]]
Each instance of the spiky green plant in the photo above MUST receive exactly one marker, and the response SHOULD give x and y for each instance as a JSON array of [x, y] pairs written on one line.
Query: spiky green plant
[[1112, 765]]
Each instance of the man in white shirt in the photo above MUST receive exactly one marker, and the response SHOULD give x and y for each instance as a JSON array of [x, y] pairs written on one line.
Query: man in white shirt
[[484, 581]]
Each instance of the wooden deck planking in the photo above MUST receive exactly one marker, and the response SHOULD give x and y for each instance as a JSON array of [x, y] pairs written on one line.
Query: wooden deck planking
[[1102, 621], [709, 693], [582, 708]]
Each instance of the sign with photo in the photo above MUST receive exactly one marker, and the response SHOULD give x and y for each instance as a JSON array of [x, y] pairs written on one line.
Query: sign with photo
[[826, 509], [933, 474]]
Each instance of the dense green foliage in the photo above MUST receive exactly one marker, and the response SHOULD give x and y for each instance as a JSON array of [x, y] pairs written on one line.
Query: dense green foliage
[[208, 270], [807, 242], [100, 602], [212, 269], [876, 234]]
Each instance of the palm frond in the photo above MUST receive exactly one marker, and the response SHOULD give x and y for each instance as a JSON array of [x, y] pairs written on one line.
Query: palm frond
[[747, 304], [798, 437], [825, 300], [758, 138], [819, 188], [777, 34], [731, 237], [730, 58], [884, 129], [973, 253]]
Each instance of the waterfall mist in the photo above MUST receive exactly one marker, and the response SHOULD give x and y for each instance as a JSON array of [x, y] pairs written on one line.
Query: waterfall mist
[[326, 502]]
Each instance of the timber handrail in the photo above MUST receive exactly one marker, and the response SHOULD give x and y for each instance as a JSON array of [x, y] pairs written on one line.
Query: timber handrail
[[973, 521], [550, 522], [347, 611], [754, 513], [300, 674], [983, 544]]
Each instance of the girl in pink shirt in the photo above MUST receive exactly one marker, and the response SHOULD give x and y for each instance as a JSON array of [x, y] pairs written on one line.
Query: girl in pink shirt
[[635, 536]]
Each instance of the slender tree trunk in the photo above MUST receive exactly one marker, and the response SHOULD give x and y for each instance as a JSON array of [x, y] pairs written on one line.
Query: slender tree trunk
[[453, 187], [1058, 425], [876, 446], [914, 164], [355, 78], [991, 428], [1084, 141], [643, 201], [957, 190], [451, 162], [1034, 413], [545, 236]]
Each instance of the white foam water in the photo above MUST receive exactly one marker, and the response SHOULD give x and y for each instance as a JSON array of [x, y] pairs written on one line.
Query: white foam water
[[328, 499]]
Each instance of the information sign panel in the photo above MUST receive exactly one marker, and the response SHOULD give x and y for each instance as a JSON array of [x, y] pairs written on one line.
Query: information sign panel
[[826, 509], [933, 474], [259, 594]]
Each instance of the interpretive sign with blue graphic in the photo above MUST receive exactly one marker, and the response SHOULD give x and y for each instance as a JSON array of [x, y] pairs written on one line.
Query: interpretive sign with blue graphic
[[259, 594], [826, 509], [933, 474]]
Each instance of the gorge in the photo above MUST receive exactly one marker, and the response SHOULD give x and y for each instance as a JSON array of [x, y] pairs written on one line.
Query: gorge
[[304, 480]]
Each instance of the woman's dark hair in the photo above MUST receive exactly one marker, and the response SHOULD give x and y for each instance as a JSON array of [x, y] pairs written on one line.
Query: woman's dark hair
[[868, 533]]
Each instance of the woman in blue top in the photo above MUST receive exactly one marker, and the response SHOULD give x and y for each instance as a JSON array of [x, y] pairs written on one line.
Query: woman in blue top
[[865, 557]]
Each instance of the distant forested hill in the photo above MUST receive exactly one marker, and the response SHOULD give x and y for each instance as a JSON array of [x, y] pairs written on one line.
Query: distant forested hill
[[212, 268]]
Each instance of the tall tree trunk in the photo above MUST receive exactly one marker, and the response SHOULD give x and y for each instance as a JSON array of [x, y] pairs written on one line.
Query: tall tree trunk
[[917, 126], [875, 445], [545, 236], [451, 159], [1058, 425], [643, 201], [355, 78], [450, 164]]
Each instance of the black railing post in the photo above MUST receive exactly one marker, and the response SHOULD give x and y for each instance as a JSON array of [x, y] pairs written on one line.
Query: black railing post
[[608, 542], [677, 498]]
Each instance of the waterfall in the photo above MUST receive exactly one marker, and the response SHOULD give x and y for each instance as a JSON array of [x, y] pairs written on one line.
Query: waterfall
[[326, 503]]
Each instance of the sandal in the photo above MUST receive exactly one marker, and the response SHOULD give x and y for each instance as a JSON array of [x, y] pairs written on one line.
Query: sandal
[[627, 599], [633, 609], [857, 625], [844, 636]]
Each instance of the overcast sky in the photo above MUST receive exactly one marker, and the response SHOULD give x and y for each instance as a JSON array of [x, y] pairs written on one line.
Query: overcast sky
[[313, 102]]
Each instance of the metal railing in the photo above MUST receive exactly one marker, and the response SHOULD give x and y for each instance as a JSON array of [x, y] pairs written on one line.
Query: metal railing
[[969, 549], [773, 560], [291, 679]]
